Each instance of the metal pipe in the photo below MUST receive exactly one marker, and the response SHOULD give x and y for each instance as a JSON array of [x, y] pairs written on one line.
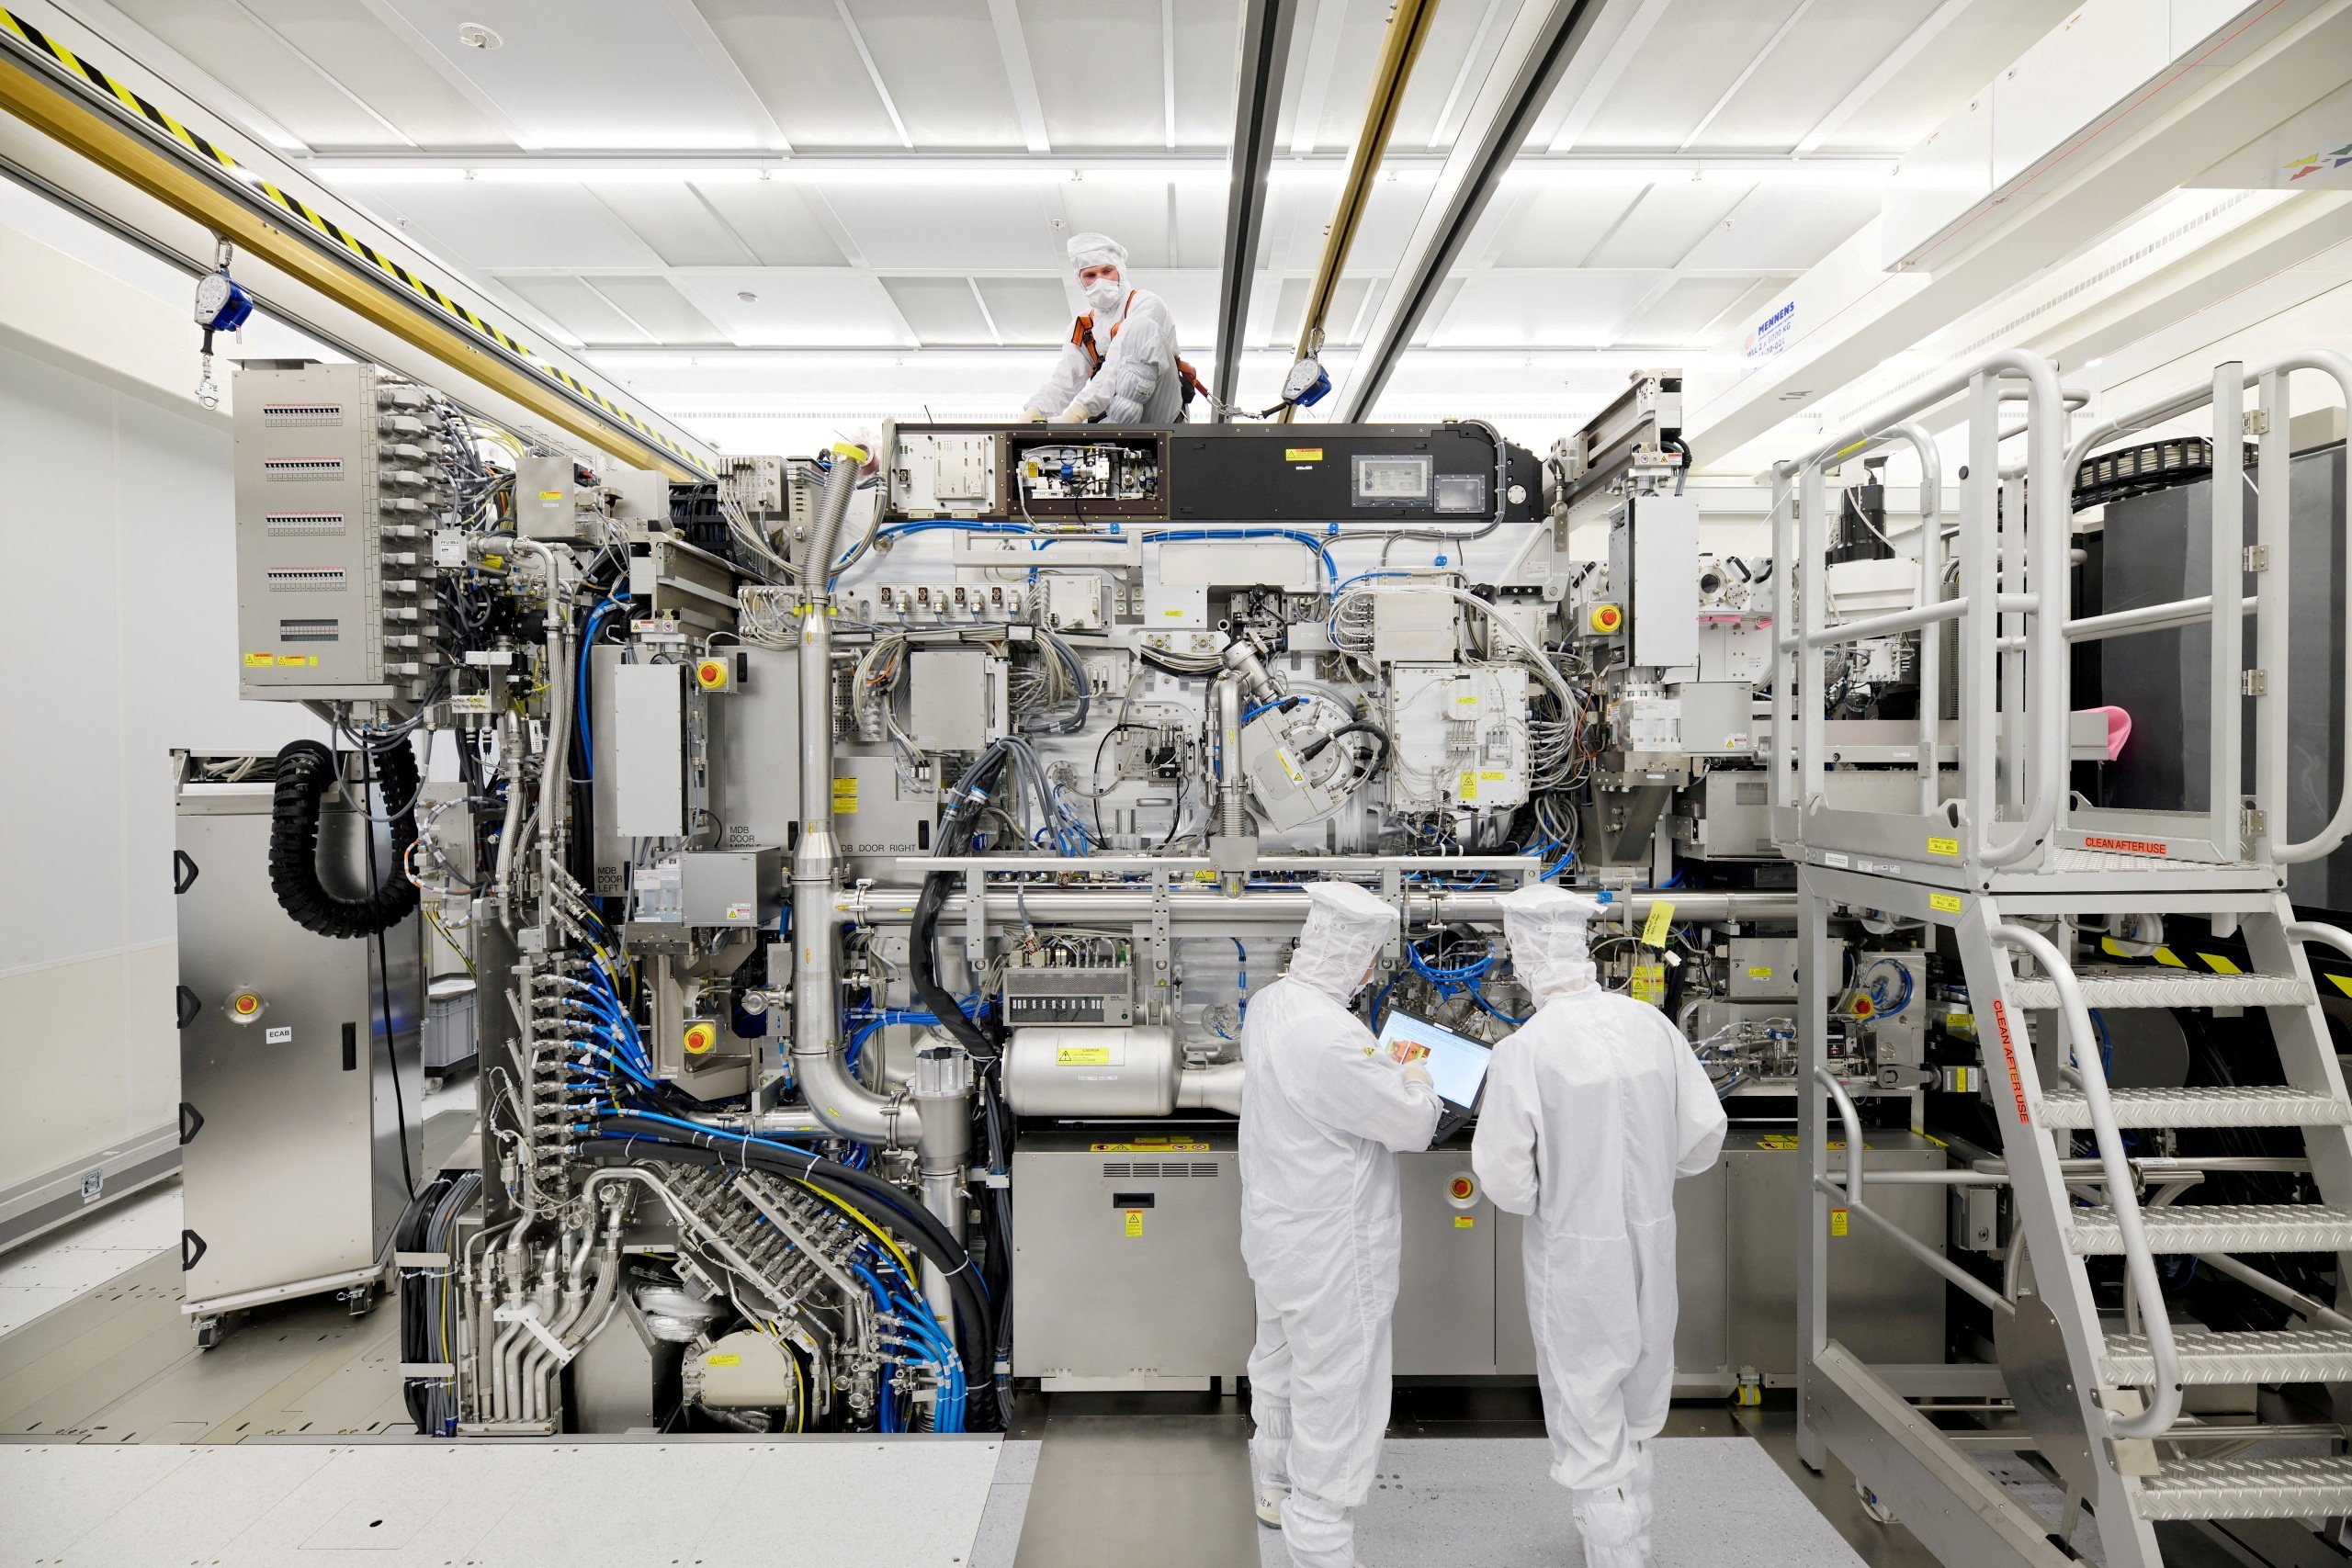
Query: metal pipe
[[2146, 618], [895, 906], [1409, 28], [1976, 1288], [1216, 1087], [2286, 1295]]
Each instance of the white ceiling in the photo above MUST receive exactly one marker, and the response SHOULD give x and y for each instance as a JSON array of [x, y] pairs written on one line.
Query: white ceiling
[[928, 261]]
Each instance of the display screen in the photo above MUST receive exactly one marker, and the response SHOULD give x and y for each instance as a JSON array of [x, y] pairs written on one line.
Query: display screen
[[1393, 481], [1457, 1065]]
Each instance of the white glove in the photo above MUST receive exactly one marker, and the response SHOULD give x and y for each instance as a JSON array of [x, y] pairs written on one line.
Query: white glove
[[1032, 415], [1415, 1073], [1077, 413]]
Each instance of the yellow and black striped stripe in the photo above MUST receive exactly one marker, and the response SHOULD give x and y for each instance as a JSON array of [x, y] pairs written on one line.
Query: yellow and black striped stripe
[[2198, 960], [150, 116]]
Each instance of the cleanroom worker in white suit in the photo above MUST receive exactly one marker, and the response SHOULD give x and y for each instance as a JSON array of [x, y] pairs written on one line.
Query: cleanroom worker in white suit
[[1324, 1114], [1120, 364], [1593, 1109]]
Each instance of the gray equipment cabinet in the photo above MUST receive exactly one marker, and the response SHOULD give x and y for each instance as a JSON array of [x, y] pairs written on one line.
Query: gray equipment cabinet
[[291, 1116]]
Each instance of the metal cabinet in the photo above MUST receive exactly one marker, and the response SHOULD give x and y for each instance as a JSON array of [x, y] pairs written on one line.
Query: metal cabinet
[[293, 1106]]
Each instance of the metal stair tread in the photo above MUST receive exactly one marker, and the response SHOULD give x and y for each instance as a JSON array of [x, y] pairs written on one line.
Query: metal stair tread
[[2291, 1487], [2112, 985], [2235, 1106], [2218, 1228], [2269, 1356]]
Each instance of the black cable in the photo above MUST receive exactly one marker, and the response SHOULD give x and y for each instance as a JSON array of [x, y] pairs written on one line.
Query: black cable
[[383, 959], [304, 769]]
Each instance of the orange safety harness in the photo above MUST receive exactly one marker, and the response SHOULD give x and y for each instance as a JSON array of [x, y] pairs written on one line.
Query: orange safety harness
[[1081, 338]]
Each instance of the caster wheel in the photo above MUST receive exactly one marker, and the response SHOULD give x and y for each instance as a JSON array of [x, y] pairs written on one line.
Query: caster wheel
[[1871, 1504], [361, 1300], [209, 1333]]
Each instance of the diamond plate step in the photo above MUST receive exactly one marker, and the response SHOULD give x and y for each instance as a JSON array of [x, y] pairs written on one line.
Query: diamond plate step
[[2115, 986], [2201, 1108], [2249, 1489], [2218, 1227], [2287, 1355]]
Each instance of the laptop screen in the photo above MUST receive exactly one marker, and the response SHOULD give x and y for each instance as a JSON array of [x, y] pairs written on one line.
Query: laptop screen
[[1457, 1065]]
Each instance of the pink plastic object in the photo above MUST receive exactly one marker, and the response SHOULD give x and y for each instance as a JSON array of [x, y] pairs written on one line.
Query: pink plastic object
[[2118, 729]]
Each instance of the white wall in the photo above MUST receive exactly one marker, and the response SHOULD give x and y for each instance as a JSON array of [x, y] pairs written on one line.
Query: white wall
[[119, 643]]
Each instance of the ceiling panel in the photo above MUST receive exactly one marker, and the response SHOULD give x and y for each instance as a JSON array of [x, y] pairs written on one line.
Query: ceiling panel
[[1784, 228], [1440, 66], [1351, 66], [1441, 305], [1560, 227], [779, 222], [1513, 308], [794, 307], [1683, 67], [381, 67], [1687, 310], [576, 309], [592, 73], [652, 303], [1099, 71], [1669, 219], [801, 63], [940, 309], [1824, 57], [944, 70], [502, 226], [676, 223], [1338, 322], [1965, 58], [1133, 212], [991, 227], [1208, 52], [1029, 310], [1200, 225], [264, 69]]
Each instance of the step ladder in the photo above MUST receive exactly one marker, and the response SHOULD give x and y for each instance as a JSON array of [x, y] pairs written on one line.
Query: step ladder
[[2101, 1404]]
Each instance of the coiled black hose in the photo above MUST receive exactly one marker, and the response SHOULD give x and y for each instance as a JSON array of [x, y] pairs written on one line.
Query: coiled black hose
[[305, 770]]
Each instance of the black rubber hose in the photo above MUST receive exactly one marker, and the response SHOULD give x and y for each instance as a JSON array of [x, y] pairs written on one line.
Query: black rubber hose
[[975, 1333], [1360, 726], [922, 944], [305, 770]]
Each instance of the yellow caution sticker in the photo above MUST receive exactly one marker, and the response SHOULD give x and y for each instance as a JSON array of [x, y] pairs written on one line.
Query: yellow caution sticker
[[729, 1360], [1290, 764], [1961, 1022], [1661, 921], [1759, 971], [1492, 776], [846, 795], [1469, 790], [1837, 1222], [1151, 1146], [550, 495], [1084, 1056], [1301, 454], [1944, 903], [297, 661], [1946, 847], [260, 660], [1465, 1222], [1649, 984], [1135, 1222]]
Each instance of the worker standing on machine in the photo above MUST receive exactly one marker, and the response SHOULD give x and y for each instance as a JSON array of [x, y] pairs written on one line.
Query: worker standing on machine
[[1592, 1109], [1120, 366], [1324, 1114]]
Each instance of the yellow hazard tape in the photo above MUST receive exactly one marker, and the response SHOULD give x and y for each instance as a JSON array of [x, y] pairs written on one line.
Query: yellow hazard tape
[[75, 65]]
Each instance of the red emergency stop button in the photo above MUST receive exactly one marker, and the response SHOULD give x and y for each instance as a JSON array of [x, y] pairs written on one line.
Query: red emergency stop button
[[245, 1005], [700, 1038], [1606, 618], [1462, 1189], [711, 674]]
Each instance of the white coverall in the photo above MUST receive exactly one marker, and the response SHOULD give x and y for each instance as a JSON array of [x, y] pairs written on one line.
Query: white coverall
[[1138, 383], [1593, 1109], [1324, 1113]]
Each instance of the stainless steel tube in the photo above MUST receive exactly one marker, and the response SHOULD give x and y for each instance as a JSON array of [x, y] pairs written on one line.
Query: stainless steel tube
[[1216, 1087], [895, 906]]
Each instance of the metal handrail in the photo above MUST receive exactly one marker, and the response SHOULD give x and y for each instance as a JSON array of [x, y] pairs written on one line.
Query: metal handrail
[[2271, 783], [2140, 1264], [1852, 1193]]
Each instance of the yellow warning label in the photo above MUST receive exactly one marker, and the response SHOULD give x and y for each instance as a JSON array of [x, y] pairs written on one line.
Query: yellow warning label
[[1469, 790], [722, 1360], [1135, 1222], [1084, 1056], [550, 495], [1290, 764], [845, 795], [260, 660], [1301, 454], [1946, 902], [1944, 846], [2219, 965], [1837, 1222], [1464, 1222], [1661, 921], [1964, 1080], [1649, 984], [1151, 1146], [1960, 1023], [1492, 776], [297, 661], [1782, 1143], [1759, 971]]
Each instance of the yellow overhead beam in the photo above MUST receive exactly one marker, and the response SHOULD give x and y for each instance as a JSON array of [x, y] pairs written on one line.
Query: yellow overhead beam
[[419, 313], [1409, 28]]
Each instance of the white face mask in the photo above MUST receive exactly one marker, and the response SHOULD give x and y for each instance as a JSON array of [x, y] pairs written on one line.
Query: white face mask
[[1105, 293]]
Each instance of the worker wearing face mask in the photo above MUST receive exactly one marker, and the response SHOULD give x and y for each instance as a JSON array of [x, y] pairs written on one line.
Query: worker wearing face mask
[[1593, 1109], [1324, 1114], [1120, 366]]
